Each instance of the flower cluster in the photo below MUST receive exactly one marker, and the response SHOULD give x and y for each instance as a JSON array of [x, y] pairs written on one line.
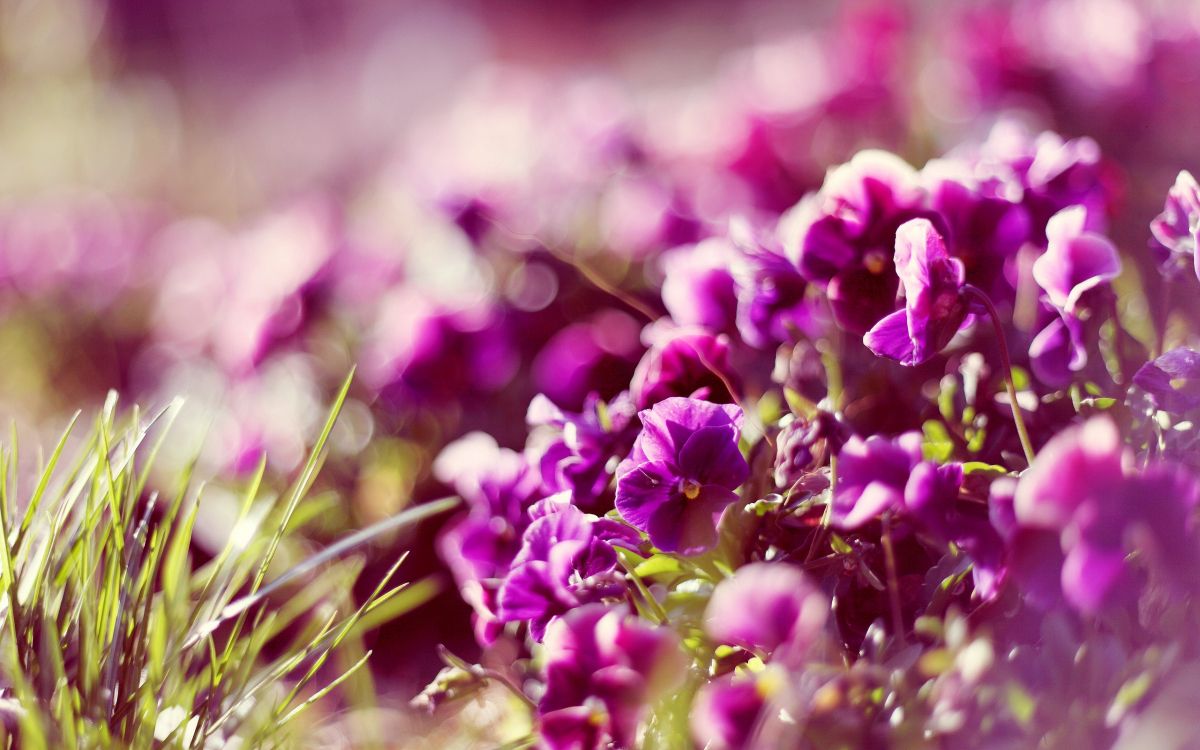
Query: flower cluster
[[908, 404]]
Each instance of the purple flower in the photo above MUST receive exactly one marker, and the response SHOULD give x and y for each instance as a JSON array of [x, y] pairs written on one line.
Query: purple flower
[[698, 288], [771, 305], [1044, 173], [690, 362], [768, 608], [1177, 229], [603, 668], [1082, 490], [499, 486], [726, 710], [566, 560], [872, 475], [984, 231], [1172, 380], [878, 475], [1075, 260], [682, 473], [577, 455], [842, 237], [934, 305]]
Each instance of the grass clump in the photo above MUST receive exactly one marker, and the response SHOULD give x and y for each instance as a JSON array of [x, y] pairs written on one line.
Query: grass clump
[[110, 635]]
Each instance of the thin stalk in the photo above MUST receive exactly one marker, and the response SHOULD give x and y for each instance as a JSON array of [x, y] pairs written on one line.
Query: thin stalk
[[1022, 432], [893, 578]]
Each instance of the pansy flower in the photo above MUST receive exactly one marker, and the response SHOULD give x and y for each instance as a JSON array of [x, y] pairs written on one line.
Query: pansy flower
[[1177, 229], [683, 361], [768, 608], [935, 307], [603, 667], [683, 471], [1172, 380], [566, 560], [841, 238]]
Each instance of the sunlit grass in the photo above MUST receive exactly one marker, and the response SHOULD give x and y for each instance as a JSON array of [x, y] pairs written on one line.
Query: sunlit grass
[[112, 636]]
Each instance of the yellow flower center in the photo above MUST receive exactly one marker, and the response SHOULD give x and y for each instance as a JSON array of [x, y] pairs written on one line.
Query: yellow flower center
[[691, 490]]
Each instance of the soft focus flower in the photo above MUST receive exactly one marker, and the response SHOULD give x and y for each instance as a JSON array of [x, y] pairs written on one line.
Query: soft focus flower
[[934, 305], [768, 608], [690, 362], [872, 475], [698, 287], [1177, 229], [842, 237], [1172, 380], [682, 473], [603, 667], [1075, 260], [771, 305], [499, 486], [566, 559], [579, 456], [727, 710], [1083, 490]]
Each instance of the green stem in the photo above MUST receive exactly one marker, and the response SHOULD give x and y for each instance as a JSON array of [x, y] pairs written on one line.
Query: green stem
[[893, 578], [1022, 432]]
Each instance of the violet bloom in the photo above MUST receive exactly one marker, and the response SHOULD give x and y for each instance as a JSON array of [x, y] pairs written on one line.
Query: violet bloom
[[934, 305], [1172, 380], [691, 362], [1082, 490], [1044, 173], [498, 486], [726, 711], [682, 473], [581, 447], [771, 609], [698, 287], [984, 231], [1177, 229], [878, 475], [771, 305], [566, 560], [841, 238], [603, 669], [1075, 262], [872, 475]]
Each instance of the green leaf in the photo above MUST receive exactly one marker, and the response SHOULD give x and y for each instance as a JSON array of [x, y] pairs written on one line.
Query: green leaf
[[938, 445], [658, 565]]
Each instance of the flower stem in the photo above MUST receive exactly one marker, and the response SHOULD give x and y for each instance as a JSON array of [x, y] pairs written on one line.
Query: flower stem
[[1022, 432], [893, 578]]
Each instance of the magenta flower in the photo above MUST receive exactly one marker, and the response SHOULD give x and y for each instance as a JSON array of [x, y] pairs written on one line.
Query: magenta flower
[[872, 475], [682, 473], [687, 361], [698, 287], [576, 454], [771, 609], [842, 237], [878, 475], [727, 710], [1082, 490], [603, 668], [1177, 229], [934, 305], [1172, 380], [1075, 260], [566, 560], [771, 305]]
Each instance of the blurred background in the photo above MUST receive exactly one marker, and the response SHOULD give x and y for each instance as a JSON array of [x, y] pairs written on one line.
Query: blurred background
[[236, 202]]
